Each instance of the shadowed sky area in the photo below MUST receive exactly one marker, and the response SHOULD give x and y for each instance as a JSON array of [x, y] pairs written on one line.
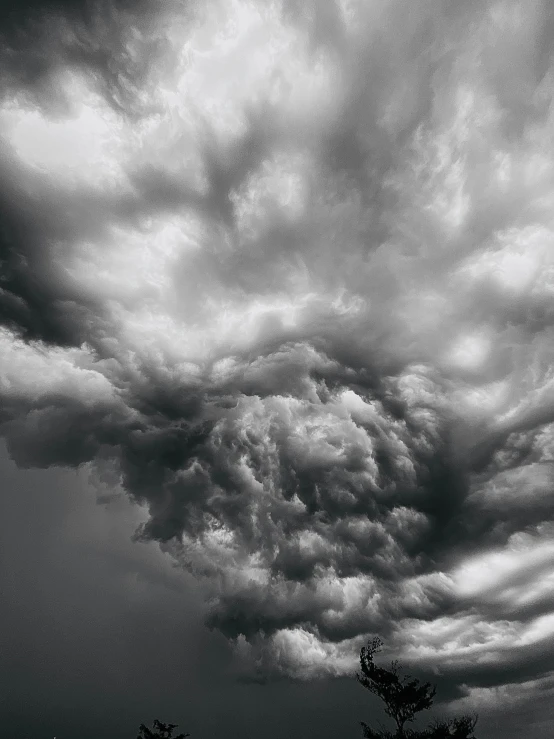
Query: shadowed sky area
[[276, 349]]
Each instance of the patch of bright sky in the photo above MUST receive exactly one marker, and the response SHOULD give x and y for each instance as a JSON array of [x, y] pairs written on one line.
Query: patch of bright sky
[[134, 264], [478, 575], [84, 146], [521, 261], [469, 351], [243, 54]]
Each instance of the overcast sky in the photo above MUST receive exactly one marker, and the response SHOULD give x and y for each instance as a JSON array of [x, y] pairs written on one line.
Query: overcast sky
[[276, 362]]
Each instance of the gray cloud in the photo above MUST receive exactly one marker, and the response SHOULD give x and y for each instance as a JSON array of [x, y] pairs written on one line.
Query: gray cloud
[[291, 289]]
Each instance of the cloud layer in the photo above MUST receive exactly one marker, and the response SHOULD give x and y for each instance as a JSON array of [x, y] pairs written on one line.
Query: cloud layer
[[284, 273]]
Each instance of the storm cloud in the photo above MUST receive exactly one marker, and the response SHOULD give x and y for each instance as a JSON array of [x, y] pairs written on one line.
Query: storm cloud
[[283, 272]]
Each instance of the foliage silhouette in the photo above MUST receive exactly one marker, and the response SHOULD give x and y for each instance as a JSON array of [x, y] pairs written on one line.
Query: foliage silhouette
[[159, 731], [404, 697], [461, 727]]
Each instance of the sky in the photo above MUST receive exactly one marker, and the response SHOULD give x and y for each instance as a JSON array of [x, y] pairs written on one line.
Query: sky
[[276, 362]]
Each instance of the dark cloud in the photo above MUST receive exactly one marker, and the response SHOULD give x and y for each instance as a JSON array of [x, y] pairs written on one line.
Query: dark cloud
[[283, 273], [100, 634]]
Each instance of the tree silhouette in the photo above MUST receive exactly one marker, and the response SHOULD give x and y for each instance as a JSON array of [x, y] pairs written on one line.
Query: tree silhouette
[[404, 697], [456, 728], [159, 731]]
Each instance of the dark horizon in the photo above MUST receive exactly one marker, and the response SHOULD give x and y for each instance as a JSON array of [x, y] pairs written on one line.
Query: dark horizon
[[276, 350]]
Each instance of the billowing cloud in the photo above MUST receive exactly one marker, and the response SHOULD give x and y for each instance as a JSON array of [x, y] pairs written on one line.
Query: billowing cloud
[[283, 272]]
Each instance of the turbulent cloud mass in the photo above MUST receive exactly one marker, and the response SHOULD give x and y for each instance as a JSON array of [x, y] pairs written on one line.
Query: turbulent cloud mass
[[284, 272]]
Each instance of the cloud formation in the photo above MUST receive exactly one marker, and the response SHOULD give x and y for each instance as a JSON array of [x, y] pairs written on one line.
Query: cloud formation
[[283, 272]]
